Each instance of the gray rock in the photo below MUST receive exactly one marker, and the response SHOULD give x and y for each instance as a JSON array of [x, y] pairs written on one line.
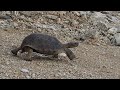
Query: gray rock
[[117, 38], [88, 34], [51, 17], [101, 26], [5, 17], [112, 30], [27, 13], [111, 39], [118, 28], [113, 13], [112, 19], [5, 12], [98, 15], [5, 24]]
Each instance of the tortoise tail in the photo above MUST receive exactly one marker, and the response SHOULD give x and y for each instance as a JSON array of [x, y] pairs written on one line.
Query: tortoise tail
[[70, 54], [71, 45], [14, 51]]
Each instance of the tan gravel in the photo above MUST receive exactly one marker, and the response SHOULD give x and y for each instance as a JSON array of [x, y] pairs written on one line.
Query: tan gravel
[[93, 62]]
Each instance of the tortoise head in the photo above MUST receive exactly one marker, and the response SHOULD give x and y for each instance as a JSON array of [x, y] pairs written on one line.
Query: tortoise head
[[71, 44]]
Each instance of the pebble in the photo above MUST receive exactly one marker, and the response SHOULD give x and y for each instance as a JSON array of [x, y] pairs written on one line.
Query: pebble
[[24, 70], [15, 24], [33, 75], [59, 21], [74, 22], [28, 77]]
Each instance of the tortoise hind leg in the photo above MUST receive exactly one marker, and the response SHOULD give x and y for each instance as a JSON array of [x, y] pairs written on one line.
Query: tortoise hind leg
[[15, 51], [55, 56], [29, 53]]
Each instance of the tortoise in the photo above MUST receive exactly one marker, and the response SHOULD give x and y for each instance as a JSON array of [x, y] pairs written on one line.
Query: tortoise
[[45, 44]]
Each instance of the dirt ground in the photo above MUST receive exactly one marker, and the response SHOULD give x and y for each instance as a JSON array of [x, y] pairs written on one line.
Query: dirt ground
[[93, 62]]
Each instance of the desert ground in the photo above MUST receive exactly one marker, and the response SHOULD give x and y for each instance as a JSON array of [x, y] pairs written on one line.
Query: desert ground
[[92, 62], [97, 56]]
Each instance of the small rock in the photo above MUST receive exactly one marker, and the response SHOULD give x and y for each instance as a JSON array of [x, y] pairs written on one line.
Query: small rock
[[7, 63], [39, 29], [84, 14], [59, 21], [52, 17], [76, 13], [5, 17], [62, 13], [112, 31], [112, 40], [28, 77], [102, 26], [33, 75], [74, 22], [114, 55], [24, 70], [106, 41], [15, 24], [98, 15], [113, 19]]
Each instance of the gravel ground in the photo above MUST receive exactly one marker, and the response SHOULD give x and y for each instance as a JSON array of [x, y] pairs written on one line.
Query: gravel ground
[[93, 62]]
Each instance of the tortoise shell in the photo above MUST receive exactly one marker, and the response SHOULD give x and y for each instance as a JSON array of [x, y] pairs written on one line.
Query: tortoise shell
[[41, 43]]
